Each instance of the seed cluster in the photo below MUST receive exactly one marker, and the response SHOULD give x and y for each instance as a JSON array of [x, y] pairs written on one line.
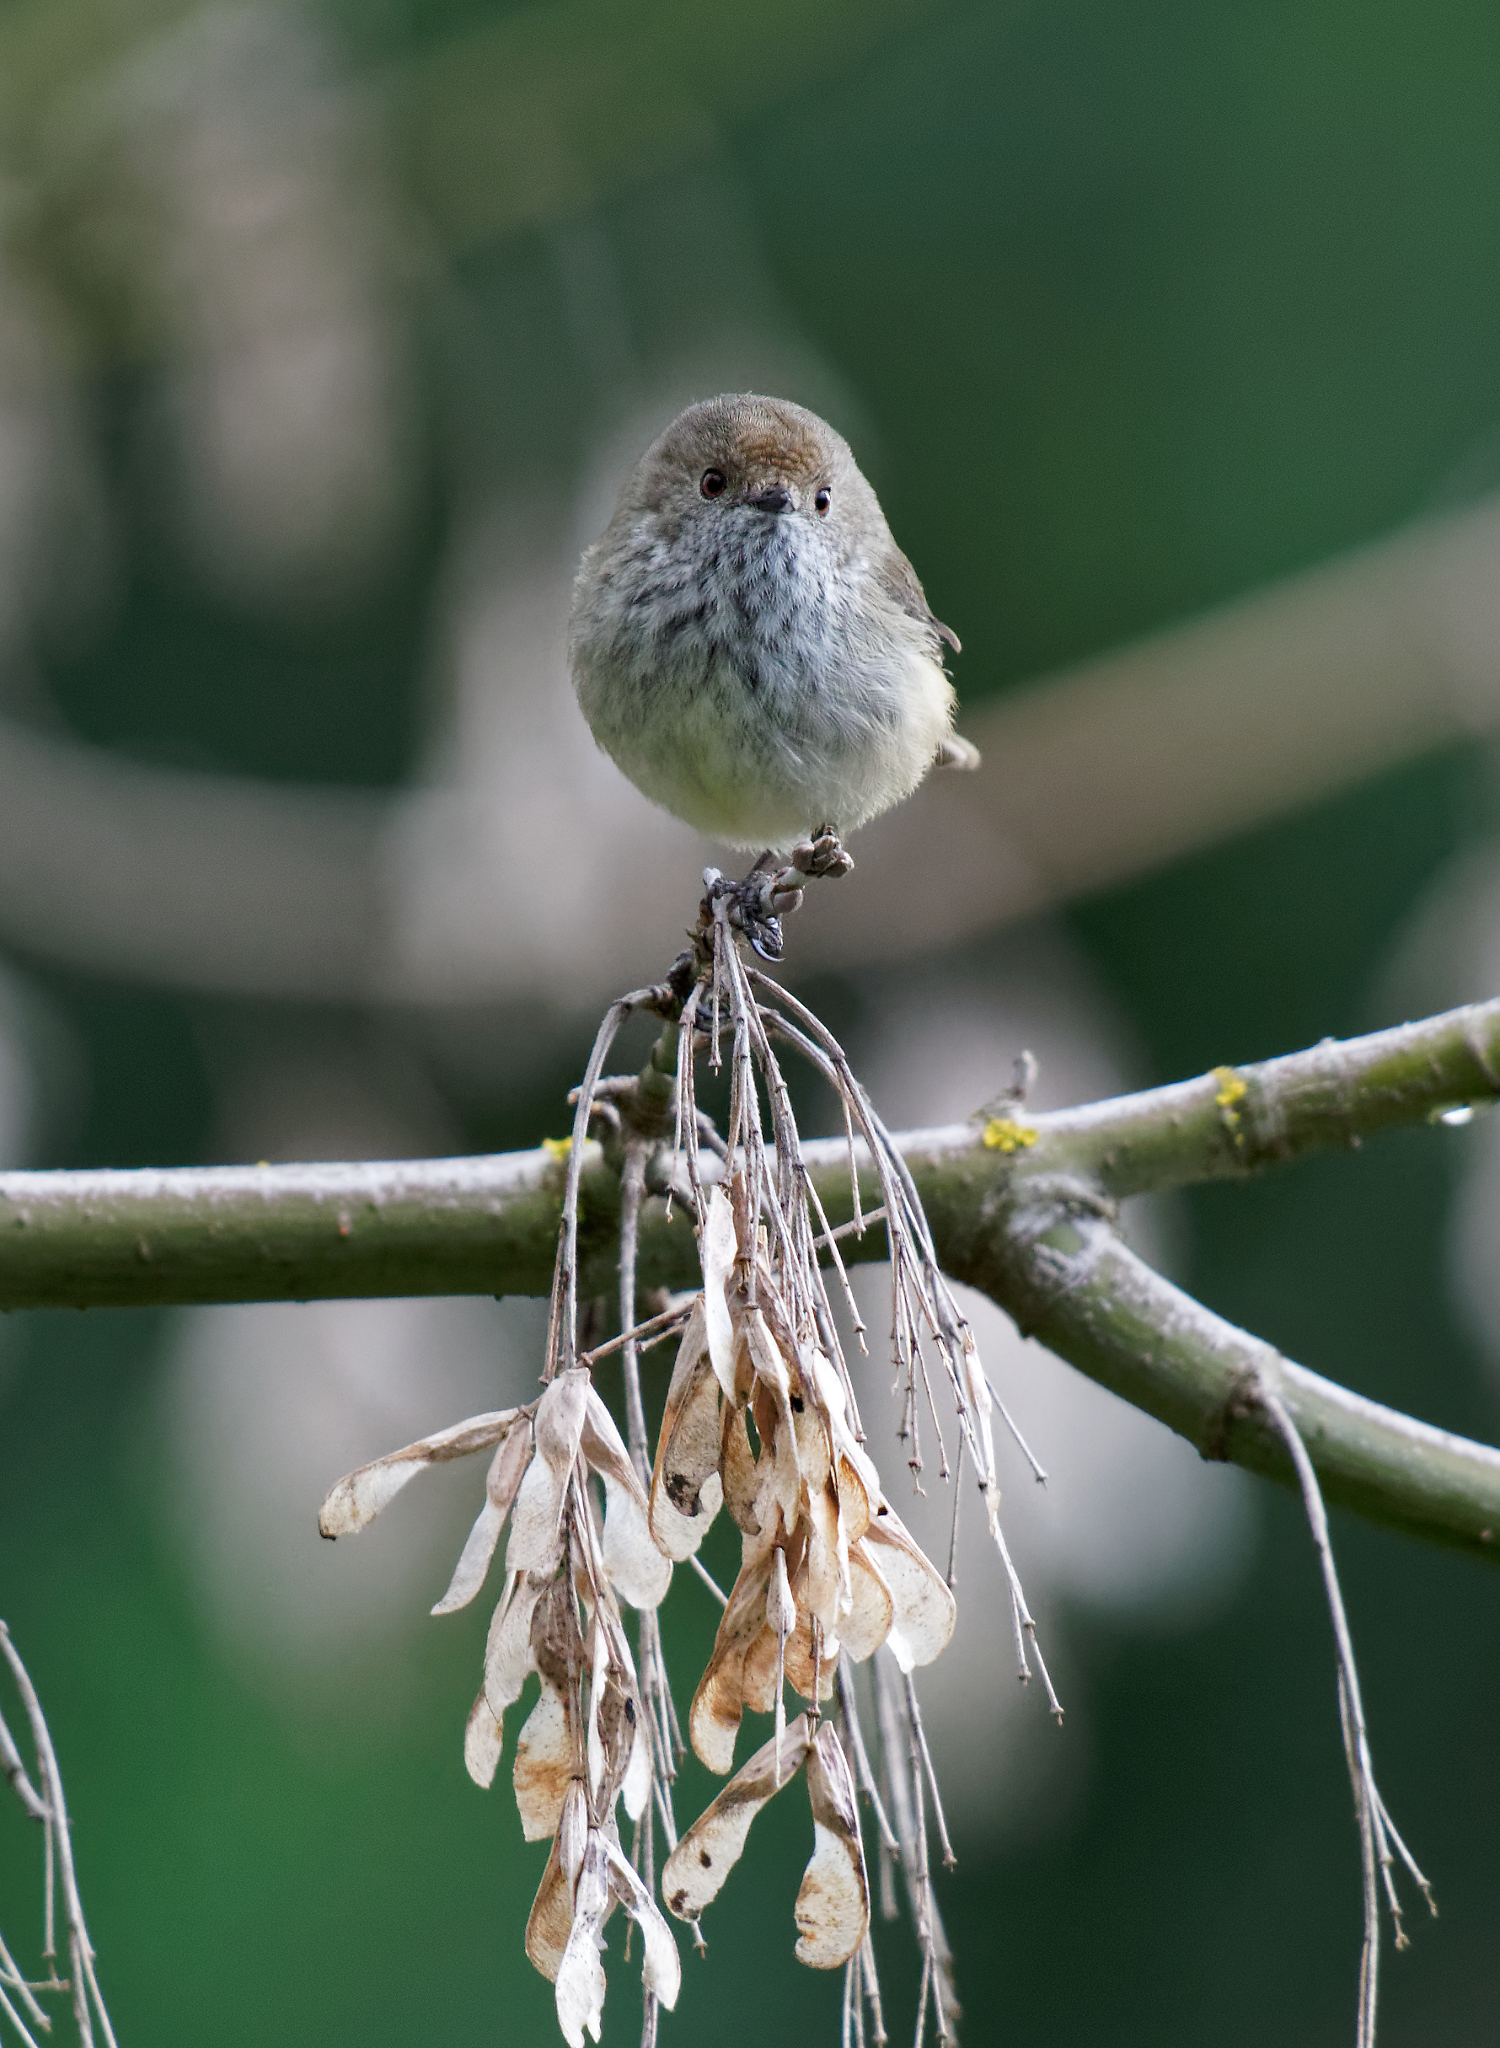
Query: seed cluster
[[760, 1420]]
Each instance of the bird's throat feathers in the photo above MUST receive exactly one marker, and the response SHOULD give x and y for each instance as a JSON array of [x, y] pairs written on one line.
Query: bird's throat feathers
[[744, 588]]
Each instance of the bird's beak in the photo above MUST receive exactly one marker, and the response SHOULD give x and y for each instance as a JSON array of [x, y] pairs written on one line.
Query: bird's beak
[[774, 498]]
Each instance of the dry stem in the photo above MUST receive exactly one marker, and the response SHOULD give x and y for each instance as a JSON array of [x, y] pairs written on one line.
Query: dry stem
[[1376, 1832], [88, 2001]]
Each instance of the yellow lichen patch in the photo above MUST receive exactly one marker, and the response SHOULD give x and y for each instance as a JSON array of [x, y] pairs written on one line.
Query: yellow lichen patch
[[1004, 1134], [1231, 1088], [558, 1147]]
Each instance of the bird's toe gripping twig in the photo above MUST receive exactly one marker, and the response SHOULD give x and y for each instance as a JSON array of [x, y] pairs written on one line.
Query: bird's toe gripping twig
[[773, 890], [755, 905], [823, 854]]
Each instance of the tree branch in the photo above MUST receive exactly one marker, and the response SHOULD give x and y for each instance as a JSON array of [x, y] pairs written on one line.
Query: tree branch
[[1238, 1120], [1019, 1208]]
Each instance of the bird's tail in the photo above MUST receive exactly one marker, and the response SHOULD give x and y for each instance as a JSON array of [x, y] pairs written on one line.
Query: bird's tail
[[956, 752]]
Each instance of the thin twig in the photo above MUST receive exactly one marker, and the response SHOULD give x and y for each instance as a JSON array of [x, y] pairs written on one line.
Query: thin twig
[[1025, 1627], [18, 2023], [903, 1776], [702, 1572], [632, 1189], [663, 1325], [562, 1334], [1369, 1807], [13, 1977], [1009, 1420], [856, 1227], [878, 2034], [15, 1772], [85, 1985], [920, 1734], [849, 1702]]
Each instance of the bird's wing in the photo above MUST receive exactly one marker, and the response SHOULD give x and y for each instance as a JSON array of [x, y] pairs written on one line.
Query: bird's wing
[[899, 579]]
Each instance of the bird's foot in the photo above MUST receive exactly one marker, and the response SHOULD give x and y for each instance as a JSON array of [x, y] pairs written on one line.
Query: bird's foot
[[756, 905], [772, 891], [823, 855]]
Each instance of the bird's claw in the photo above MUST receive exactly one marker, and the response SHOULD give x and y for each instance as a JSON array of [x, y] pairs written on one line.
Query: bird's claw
[[756, 905], [765, 935], [759, 903], [770, 892], [822, 855]]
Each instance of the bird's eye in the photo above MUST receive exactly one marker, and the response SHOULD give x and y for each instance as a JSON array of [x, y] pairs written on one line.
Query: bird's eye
[[822, 502], [713, 483]]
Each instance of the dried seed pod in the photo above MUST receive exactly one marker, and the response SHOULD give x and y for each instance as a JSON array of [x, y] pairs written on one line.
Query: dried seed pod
[[610, 1734], [635, 1786], [508, 1653], [780, 1611], [923, 1607], [809, 1667], [686, 1492], [762, 1672], [546, 1763], [639, 1570], [739, 1470], [585, 1878], [719, 1250], [833, 1904], [507, 1469], [359, 1496], [826, 1586], [551, 1919], [484, 1735], [871, 1609], [580, 1973], [718, 1703], [661, 1966], [536, 1518], [698, 1866], [858, 1495]]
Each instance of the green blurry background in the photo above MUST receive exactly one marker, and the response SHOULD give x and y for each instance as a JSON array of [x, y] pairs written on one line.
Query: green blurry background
[[1133, 309]]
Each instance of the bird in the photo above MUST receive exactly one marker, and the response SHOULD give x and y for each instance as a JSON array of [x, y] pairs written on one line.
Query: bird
[[748, 643]]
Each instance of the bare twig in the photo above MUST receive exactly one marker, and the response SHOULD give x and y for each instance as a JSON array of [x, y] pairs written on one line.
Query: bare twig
[[856, 1227], [1025, 1628], [849, 1703], [1025, 1449], [1375, 1833], [632, 1188], [902, 1768], [658, 1328], [562, 1336], [701, 1571], [16, 1775], [88, 2000], [665, 1738], [919, 1735], [14, 1980]]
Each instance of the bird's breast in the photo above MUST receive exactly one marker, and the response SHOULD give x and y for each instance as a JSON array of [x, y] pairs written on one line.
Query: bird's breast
[[754, 600]]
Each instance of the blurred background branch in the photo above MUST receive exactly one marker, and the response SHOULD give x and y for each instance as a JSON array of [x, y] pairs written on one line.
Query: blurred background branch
[[1090, 779], [184, 203]]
